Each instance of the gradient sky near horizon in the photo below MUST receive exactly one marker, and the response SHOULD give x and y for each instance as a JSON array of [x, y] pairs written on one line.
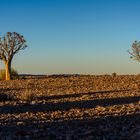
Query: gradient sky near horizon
[[73, 36]]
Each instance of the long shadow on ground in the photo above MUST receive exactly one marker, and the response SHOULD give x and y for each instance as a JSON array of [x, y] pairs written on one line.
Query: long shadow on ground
[[74, 95], [21, 108]]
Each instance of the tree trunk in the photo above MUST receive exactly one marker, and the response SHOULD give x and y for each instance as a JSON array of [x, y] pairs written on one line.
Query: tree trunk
[[8, 70]]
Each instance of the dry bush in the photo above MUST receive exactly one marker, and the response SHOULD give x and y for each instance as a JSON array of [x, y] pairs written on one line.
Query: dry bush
[[114, 74], [13, 71]]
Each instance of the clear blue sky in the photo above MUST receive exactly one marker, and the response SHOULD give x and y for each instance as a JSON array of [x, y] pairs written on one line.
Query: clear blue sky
[[73, 36]]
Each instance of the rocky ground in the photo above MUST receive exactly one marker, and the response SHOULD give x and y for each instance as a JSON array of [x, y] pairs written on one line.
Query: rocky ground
[[80, 107]]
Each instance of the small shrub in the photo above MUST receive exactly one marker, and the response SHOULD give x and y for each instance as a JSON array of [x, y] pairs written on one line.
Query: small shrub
[[14, 74], [114, 74], [2, 74]]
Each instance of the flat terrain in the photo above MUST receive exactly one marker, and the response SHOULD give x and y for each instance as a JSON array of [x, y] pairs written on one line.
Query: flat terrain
[[71, 108]]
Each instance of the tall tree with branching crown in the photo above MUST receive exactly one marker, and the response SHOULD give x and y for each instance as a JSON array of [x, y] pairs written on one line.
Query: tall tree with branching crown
[[135, 54], [10, 45]]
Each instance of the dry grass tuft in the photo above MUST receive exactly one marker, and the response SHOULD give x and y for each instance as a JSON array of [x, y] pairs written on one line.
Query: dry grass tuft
[[28, 95]]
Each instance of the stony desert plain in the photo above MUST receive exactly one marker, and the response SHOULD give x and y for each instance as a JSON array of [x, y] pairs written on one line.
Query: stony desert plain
[[71, 107]]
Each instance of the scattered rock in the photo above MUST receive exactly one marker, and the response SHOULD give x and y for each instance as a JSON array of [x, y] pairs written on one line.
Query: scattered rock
[[71, 108]]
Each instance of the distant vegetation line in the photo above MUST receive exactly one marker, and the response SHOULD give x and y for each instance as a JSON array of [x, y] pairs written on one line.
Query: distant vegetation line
[[68, 75]]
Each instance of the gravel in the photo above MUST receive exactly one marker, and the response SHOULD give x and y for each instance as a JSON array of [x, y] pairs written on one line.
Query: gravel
[[83, 107]]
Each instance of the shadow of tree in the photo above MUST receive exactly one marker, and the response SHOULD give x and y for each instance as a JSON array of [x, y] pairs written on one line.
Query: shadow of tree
[[74, 95], [84, 104]]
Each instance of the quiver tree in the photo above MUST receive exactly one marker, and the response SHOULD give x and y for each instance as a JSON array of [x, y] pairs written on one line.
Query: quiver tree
[[10, 45], [135, 54]]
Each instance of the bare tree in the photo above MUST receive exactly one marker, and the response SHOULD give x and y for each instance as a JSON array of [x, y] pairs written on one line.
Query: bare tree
[[10, 45], [135, 54]]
